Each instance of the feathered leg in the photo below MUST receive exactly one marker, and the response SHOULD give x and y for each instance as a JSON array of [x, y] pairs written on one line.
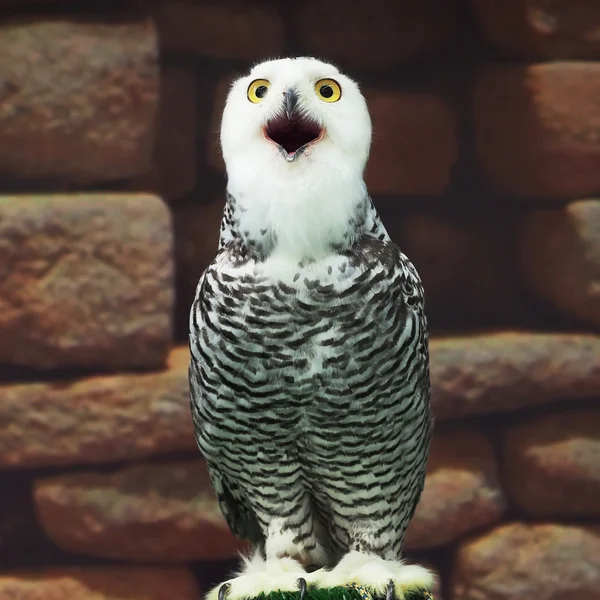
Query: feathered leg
[[291, 545]]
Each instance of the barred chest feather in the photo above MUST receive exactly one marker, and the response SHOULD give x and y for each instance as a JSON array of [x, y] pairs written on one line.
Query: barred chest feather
[[295, 346]]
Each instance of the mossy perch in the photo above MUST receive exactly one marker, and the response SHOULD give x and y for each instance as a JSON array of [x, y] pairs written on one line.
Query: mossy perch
[[355, 577], [341, 593], [336, 593]]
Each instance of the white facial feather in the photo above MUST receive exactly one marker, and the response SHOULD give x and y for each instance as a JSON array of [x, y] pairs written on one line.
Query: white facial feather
[[307, 203]]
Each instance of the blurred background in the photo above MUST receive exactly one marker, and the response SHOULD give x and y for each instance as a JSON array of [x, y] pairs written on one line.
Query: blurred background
[[486, 170]]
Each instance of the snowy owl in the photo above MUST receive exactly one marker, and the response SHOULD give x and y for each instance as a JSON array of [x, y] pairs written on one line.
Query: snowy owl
[[309, 369]]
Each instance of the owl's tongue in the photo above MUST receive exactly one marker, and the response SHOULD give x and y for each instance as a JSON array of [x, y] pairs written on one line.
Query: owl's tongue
[[292, 134]]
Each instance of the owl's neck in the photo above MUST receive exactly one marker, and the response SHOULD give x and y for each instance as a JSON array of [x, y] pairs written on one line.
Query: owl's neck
[[300, 216]]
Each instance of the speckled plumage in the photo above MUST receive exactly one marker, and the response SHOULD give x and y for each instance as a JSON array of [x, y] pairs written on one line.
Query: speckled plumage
[[311, 394]]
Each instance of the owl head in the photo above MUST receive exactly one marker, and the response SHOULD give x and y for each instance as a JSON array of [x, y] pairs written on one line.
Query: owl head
[[296, 112]]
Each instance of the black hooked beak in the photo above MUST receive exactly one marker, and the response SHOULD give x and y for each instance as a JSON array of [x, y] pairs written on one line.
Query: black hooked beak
[[290, 100]]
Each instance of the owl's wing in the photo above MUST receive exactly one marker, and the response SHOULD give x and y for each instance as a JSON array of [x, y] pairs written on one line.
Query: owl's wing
[[237, 512], [235, 508]]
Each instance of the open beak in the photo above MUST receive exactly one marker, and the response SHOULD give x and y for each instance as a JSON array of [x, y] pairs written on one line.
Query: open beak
[[292, 131]]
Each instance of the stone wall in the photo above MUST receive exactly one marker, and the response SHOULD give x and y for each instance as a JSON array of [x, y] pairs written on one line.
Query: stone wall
[[486, 169]]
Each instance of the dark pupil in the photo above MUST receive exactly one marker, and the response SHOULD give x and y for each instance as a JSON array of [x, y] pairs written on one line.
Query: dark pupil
[[261, 91], [326, 91]]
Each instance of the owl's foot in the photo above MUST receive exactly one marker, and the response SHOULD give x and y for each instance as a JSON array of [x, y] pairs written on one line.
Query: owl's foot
[[261, 576], [392, 580]]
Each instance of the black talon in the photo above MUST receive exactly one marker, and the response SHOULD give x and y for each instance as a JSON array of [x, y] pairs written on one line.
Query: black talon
[[302, 586], [223, 590], [390, 594]]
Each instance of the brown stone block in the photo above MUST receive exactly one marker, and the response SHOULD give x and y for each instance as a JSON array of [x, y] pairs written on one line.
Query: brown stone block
[[97, 419], [542, 29], [101, 583], [501, 372], [521, 562], [467, 272], [560, 258], [220, 29], [374, 34], [152, 513], [88, 281], [173, 173], [462, 492], [78, 99], [552, 464], [414, 143], [538, 128], [441, 251]]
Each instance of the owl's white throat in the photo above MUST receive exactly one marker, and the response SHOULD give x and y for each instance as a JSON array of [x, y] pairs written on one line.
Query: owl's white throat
[[306, 214]]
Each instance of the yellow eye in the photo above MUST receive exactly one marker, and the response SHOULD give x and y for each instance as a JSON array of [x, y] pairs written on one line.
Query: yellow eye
[[258, 89], [328, 90]]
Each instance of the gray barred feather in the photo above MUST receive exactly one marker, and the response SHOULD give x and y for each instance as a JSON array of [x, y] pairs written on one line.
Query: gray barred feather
[[310, 395]]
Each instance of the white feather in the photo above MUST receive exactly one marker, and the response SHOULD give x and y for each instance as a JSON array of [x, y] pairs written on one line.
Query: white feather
[[374, 573]]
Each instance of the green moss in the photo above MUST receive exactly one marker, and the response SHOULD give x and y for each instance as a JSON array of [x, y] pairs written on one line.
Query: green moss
[[337, 593]]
